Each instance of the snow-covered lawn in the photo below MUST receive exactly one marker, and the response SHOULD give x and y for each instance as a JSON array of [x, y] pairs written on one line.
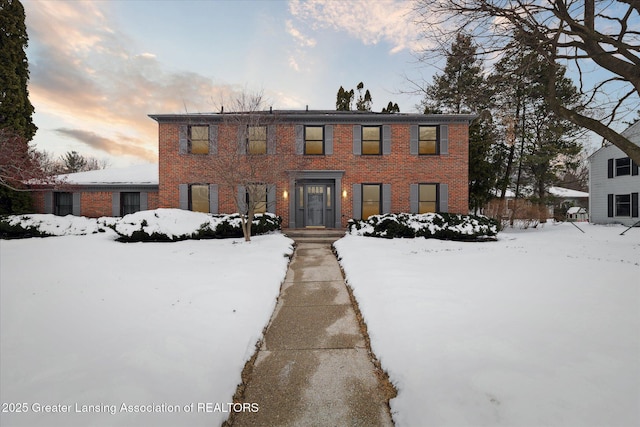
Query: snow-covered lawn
[[88, 323], [541, 328]]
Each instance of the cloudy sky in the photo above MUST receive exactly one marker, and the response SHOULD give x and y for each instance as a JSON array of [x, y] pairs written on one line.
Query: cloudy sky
[[98, 68]]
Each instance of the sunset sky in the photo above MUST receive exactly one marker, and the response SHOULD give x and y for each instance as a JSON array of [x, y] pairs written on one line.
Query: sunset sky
[[98, 68]]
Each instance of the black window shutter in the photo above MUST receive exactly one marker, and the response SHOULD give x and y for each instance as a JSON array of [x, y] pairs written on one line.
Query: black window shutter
[[610, 168], [634, 168], [610, 205], [634, 205]]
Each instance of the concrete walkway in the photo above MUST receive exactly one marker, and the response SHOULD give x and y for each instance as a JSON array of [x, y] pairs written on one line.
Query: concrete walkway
[[313, 368]]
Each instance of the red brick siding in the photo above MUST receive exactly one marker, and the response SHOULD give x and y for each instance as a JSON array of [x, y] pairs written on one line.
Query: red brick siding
[[400, 168]]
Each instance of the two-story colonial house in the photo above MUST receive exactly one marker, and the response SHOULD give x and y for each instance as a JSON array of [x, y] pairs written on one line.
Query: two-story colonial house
[[356, 164], [614, 183]]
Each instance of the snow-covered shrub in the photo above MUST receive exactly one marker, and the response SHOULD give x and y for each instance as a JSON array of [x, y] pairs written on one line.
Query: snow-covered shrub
[[159, 225], [442, 226], [44, 225], [170, 225]]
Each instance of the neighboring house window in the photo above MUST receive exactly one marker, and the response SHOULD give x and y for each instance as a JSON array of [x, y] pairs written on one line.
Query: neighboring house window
[[371, 200], [129, 203], [623, 205], [427, 198], [313, 140], [63, 204], [257, 141], [199, 198], [259, 193], [371, 140], [623, 166], [199, 139], [428, 140]]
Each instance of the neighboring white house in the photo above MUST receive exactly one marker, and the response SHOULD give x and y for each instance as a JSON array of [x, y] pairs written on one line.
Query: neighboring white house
[[614, 183]]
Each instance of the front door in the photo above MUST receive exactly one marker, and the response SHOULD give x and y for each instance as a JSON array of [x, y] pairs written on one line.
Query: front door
[[315, 205]]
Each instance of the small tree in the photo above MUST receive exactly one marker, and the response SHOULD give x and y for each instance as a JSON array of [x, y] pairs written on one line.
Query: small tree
[[250, 166]]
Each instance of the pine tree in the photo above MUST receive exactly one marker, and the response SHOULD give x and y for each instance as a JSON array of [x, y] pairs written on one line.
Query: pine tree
[[15, 108], [541, 142], [344, 99], [461, 88], [72, 162], [364, 102], [391, 108]]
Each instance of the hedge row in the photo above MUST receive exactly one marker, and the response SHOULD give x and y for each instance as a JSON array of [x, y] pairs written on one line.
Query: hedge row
[[161, 225], [442, 226], [220, 227]]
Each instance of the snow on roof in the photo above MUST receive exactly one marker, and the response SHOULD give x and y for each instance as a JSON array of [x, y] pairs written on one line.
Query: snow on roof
[[566, 192], [146, 174], [576, 209]]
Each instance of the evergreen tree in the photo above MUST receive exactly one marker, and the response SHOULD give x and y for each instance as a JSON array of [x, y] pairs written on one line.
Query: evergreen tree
[[364, 102], [344, 99], [541, 143], [15, 108], [391, 108], [461, 88], [72, 162]]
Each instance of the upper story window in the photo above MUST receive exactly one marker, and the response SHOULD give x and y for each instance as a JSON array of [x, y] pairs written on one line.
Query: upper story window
[[428, 140], [199, 139], [371, 140], [257, 140], [623, 166], [313, 140]]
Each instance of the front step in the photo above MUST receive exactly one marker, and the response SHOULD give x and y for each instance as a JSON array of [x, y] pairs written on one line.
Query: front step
[[314, 235]]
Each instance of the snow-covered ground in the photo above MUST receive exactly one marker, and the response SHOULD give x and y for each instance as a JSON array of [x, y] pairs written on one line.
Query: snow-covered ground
[[90, 324], [541, 328]]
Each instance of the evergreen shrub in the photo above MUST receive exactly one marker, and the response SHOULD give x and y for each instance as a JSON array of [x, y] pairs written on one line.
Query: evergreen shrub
[[443, 226]]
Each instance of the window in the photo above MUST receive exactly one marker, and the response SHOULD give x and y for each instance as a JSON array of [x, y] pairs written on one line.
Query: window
[[257, 141], [427, 198], [199, 198], [623, 166], [199, 139], [428, 140], [371, 200], [371, 141], [63, 204], [129, 203], [314, 140], [258, 194], [623, 205]]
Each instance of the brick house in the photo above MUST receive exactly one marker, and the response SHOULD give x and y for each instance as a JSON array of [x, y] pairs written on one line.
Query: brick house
[[355, 163], [106, 192]]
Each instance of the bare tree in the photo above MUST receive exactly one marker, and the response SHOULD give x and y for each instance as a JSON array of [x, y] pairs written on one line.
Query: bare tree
[[248, 162], [20, 163], [595, 40]]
